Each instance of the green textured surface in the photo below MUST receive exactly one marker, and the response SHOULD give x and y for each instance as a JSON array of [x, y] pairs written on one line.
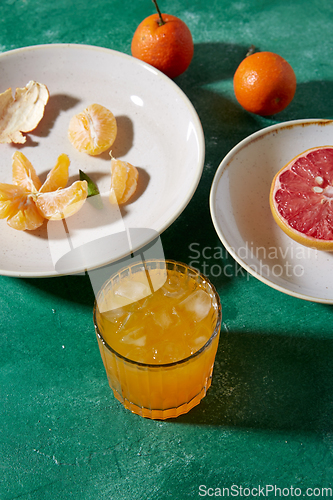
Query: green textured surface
[[268, 417]]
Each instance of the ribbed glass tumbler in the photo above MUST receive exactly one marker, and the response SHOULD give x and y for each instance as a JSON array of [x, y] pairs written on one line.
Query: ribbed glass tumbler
[[158, 325]]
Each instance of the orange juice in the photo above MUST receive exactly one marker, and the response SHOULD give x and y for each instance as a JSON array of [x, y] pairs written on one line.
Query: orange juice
[[158, 325]]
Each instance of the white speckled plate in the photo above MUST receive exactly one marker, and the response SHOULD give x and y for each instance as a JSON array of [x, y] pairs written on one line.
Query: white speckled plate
[[239, 203], [158, 131]]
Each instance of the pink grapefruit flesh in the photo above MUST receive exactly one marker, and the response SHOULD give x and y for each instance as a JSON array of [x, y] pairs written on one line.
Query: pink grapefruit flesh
[[301, 198]]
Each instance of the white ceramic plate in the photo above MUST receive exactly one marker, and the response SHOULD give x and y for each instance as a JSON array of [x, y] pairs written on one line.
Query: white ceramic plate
[[158, 131], [239, 204]]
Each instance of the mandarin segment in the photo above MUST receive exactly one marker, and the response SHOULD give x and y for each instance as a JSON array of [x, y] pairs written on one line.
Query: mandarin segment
[[58, 176], [24, 174], [94, 130], [62, 203], [124, 180], [25, 207], [10, 198], [27, 217], [18, 207]]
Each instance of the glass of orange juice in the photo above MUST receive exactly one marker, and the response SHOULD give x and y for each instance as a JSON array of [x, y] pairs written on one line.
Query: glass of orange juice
[[158, 324]]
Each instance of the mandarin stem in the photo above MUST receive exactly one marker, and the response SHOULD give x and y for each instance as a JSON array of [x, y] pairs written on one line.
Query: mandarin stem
[[250, 51], [161, 22]]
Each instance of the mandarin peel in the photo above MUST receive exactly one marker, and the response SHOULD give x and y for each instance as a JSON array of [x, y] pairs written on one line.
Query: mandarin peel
[[23, 112]]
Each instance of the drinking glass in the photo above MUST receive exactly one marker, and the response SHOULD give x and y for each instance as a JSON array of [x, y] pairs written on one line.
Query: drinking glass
[[158, 390]]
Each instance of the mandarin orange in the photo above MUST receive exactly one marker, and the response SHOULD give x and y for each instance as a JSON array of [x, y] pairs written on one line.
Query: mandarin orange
[[94, 130], [27, 202], [165, 42], [264, 83]]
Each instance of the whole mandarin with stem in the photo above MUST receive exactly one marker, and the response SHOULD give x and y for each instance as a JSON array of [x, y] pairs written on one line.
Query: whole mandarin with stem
[[165, 42], [264, 83]]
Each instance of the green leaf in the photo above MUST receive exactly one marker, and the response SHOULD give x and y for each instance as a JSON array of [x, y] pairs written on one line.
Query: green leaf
[[93, 190]]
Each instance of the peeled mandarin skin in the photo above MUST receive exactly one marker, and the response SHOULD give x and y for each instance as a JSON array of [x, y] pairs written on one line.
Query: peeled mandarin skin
[[168, 47], [23, 112]]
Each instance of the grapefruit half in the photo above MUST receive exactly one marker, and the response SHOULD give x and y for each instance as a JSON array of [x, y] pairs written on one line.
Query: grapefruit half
[[301, 198]]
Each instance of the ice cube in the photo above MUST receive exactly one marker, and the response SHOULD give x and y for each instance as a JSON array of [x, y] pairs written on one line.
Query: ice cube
[[135, 337], [173, 287], [157, 278], [198, 336], [166, 318], [133, 290], [198, 342], [198, 303], [138, 354], [170, 352], [114, 315], [122, 322], [162, 319], [110, 302]]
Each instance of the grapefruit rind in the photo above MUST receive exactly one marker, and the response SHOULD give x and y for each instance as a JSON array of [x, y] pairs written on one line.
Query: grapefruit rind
[[299, 237]]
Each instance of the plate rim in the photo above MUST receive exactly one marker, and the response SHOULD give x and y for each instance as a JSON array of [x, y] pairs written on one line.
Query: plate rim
[[192, 112], [213, 193]]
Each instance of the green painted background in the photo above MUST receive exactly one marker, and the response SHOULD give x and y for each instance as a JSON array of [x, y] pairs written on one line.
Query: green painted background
[[267, 419]]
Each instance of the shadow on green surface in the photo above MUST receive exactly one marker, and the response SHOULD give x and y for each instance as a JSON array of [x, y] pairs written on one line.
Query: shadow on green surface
[[223, 117], [312, 100], [269, 382], [263, 381], [200, 248], [224, 122], [212, 62], [76, 289]]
